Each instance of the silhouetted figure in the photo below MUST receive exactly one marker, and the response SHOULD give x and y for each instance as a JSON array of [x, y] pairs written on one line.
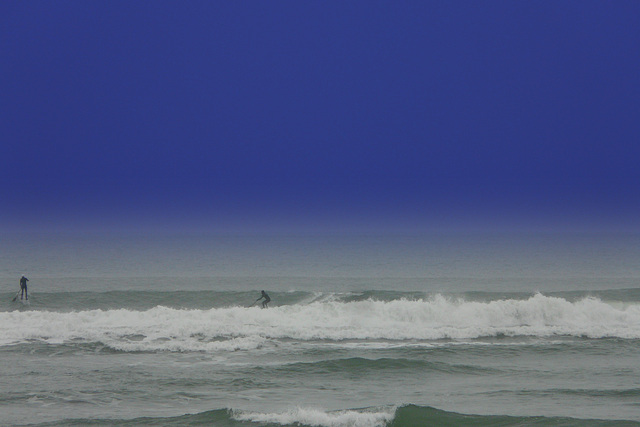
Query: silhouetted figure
[[266, 299], [23, 287]]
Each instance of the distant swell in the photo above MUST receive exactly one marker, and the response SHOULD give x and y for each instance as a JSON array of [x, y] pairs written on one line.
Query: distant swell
[[373, 366], [240, 328]]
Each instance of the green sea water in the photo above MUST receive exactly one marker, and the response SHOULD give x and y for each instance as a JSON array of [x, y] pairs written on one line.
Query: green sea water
[[361, 330]]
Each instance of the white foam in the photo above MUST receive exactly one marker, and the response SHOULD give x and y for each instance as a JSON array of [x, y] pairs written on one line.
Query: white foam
[[238, 328], [316, 417]]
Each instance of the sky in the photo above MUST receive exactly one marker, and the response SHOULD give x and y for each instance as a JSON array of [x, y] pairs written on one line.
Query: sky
[[319, 115]]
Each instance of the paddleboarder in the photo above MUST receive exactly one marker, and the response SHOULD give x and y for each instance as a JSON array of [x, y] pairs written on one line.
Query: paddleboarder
[[266, 299], [23, 287]]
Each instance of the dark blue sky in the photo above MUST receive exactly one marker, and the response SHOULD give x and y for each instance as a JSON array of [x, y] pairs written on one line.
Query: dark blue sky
[[320, 114]]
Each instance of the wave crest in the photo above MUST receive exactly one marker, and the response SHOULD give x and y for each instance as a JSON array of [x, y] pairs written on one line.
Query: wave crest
[[239, 328]]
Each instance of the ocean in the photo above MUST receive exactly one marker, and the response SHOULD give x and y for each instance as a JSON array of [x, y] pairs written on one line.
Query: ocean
[[362, 330]]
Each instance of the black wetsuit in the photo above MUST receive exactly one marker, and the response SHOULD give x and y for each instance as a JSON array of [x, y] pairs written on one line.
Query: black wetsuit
[[23, 287], [266, 299]]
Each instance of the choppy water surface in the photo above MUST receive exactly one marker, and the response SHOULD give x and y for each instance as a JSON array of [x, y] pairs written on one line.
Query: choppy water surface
[[362, 330]]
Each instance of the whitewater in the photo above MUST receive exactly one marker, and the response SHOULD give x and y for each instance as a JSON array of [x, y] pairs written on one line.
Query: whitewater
[[361, 331], [233, 328]]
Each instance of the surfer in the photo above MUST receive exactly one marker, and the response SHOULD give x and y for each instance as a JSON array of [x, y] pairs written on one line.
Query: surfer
[[266, 299], [23, 287]]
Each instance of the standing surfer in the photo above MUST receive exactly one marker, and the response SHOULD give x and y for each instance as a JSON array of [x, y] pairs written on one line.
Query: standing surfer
[[23, 287], [266, 299]]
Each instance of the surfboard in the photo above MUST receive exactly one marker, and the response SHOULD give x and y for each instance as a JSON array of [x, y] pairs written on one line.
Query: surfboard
[[21, 301]]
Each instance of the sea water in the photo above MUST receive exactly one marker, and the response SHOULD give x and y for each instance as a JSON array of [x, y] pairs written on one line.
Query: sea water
[[361, 330]]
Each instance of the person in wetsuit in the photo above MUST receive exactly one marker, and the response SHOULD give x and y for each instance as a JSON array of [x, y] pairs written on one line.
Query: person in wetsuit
[[266, 299], [23, 287]]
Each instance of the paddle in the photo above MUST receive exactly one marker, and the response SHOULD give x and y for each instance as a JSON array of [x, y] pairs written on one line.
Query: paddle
[[16, 297]]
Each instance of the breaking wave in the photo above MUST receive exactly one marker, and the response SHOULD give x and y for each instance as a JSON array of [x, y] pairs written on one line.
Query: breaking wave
[[240, 328], [402, 416]]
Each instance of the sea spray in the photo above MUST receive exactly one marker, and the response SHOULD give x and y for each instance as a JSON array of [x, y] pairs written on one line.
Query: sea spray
[[316, 417]]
